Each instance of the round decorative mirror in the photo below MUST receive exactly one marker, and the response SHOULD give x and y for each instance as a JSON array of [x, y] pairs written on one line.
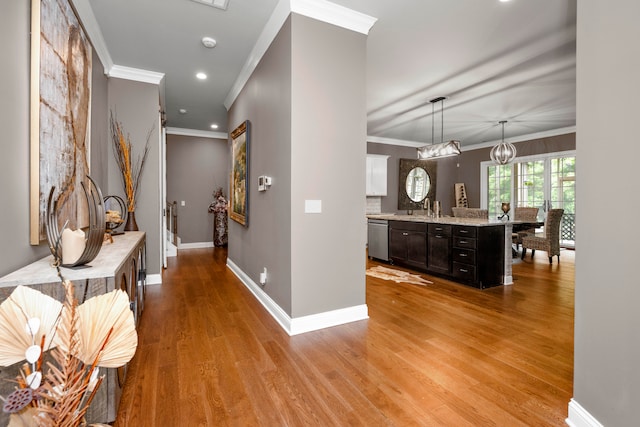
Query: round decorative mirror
[[418, 184]]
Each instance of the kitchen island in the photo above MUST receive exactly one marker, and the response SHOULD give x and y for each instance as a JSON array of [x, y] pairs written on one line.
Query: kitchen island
[[470, 251]]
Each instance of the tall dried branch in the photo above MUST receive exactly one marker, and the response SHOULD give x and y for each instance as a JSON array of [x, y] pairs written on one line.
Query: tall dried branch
[[130, 169]]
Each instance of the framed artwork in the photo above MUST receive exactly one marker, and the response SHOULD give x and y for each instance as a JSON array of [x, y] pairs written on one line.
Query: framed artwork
[[60, 114], [239, 197]]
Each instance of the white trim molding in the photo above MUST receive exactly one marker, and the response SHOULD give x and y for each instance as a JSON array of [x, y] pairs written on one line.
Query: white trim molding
[[521, 138], [299, 325], [154, 279], [327, 319], [331, 13], [321, 10], [197, 133], [580, 417], [195, 245], [135, 74]]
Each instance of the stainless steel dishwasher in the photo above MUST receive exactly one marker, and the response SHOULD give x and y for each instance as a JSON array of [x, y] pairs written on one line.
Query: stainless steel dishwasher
[[378, 239]]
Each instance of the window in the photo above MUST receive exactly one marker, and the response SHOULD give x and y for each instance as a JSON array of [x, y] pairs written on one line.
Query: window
[[544, 181]]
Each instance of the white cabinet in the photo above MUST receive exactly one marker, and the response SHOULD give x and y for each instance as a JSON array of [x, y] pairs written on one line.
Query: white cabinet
[[376, 175]]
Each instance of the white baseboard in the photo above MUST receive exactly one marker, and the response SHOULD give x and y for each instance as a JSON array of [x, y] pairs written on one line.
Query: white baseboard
[[196, 245], [299, 325], [154, 279], [171, 250], [580, 417]]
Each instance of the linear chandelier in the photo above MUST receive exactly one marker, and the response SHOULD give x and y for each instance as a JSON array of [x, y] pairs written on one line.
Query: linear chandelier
[[504, 152], [443, 149]]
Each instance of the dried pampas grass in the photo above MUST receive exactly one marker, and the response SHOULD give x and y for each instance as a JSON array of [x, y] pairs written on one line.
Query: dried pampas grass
[[107, 316], [15, 337]]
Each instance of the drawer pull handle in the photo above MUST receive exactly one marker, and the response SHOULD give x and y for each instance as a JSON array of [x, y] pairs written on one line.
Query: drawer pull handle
[[405, 234], [463, 242], [463, 255], [463, 270], [439, 236], [464, 231], [438, 228]]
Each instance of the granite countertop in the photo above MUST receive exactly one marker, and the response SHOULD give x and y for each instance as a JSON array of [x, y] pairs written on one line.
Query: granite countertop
[[442, 220]]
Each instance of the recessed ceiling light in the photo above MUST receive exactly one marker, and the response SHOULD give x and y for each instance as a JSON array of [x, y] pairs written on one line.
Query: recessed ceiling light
[[214, 126], [209, 42], [504, 1], [182, 111], [201, 76]]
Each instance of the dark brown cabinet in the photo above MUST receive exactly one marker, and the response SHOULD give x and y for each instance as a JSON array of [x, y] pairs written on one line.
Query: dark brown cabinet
[[439, 248], [478, 255], [469, 254], [408, 243]]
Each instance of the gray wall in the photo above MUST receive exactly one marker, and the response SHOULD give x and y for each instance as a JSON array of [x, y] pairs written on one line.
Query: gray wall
[[464, 168], [196, 166], [315, 262], [266, 102], [16, 252], [328, 163], [607, 292], [137, 107]]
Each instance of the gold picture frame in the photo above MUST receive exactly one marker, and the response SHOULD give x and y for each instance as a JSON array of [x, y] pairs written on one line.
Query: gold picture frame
[[238, 182], [61, 62]]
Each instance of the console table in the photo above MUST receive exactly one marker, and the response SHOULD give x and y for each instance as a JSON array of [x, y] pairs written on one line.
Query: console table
[[119, 265]]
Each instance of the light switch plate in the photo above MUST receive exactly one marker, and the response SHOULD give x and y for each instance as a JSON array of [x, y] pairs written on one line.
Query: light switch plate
[[313, 206]]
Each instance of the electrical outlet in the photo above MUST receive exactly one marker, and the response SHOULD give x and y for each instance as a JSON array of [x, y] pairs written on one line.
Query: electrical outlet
[[263, 276], [182, 203]]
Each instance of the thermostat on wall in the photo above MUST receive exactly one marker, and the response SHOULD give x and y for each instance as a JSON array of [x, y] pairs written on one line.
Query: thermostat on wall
[[264, 182]]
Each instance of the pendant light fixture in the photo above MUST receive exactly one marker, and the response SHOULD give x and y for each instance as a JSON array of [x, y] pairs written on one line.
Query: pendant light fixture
[[504, 152], [443, 149]]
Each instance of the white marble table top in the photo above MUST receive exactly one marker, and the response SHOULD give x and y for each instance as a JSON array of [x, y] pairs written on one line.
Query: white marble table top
[[108, 261]]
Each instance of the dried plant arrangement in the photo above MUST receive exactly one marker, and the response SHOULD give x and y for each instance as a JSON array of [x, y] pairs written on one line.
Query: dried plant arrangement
[[130, 169], [75, 339]]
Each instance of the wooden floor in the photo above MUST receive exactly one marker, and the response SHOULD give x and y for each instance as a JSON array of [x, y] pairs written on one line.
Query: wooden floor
[[436, 355]]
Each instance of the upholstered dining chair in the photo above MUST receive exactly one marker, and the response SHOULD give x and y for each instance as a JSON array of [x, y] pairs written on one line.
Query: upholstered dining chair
[[470, 213], [550, 240], [527, 214]]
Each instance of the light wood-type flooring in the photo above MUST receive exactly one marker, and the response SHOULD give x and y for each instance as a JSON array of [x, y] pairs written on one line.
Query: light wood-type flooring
[[437, 355]]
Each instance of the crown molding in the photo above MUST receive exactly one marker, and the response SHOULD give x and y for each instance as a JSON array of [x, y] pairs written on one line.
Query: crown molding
[[332, 13], [269, 33], [135, 74], [393, 141], [321, 10], [91, 27], [196, 133], [521, 138]]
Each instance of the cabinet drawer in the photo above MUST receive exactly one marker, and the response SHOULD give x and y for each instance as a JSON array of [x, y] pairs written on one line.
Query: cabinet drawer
[[406, 225], [464, 272], [465, 231], [465, 242], [444, 230], [464, 256]]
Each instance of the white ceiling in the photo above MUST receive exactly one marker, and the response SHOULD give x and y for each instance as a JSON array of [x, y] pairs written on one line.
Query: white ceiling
[[493, 61]]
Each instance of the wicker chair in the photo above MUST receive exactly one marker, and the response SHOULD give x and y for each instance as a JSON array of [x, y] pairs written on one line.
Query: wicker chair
[[550, 241], [470, 213], [524, 214]]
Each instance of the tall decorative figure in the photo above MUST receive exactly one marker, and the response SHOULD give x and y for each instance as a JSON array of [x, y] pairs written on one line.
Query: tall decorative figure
[[219, 208]]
